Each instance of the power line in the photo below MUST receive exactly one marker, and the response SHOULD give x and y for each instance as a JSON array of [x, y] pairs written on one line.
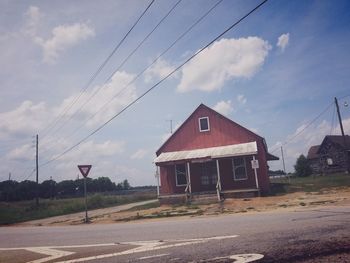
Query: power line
[[145, 69], [93, 77], [305, 127], [121, 65], [157, 84], [30, 174]]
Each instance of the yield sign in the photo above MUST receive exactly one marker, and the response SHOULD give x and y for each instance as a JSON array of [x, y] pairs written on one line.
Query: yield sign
[[84, 169]]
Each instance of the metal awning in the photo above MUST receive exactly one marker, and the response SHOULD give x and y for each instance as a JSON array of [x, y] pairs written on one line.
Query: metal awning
[[209, 153]]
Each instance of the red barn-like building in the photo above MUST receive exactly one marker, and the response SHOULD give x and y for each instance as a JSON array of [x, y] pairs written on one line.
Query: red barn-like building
[[211, 154]]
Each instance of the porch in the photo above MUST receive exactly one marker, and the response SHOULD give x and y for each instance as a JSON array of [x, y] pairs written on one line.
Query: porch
[[216, 172], [207, 197]]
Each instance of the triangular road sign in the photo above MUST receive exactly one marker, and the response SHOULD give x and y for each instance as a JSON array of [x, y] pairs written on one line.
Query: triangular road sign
[[84, 169]]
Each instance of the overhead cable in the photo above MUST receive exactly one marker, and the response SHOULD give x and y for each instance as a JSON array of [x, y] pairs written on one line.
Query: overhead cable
[[157, 84]]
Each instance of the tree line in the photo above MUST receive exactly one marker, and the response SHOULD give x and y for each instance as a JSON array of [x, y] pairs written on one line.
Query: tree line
[[12, 190]]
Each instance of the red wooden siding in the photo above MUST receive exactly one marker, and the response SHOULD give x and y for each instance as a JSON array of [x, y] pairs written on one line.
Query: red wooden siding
[[222, 132]]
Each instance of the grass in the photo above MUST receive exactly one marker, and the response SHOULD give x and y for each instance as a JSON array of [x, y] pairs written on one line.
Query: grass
[[15, 212], [310, 183]]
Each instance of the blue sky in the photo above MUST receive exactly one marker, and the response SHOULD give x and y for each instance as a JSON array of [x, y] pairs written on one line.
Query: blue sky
[[273, 73]]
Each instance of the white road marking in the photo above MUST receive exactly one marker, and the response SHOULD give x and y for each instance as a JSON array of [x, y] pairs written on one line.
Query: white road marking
[[52, 253], [71, 246], [245, 258], [239, 258], [154, 256], [55, 252], [146, 246]]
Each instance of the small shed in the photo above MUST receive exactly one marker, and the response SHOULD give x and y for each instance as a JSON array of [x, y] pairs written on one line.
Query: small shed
[[211, 154]]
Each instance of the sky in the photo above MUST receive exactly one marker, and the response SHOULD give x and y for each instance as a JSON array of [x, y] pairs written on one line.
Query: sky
[[273, 73]]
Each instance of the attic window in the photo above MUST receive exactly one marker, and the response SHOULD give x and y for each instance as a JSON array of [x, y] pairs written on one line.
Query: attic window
[[204, 124]]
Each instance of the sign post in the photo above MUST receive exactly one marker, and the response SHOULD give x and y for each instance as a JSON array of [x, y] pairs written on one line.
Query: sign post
[[85, 169], [255, 165]]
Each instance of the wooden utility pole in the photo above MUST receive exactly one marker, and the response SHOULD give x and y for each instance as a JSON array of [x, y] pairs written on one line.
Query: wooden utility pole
[[343, 135], [37, 170]]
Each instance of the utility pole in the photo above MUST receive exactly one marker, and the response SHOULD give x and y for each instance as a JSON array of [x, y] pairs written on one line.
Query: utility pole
[[37, 170], [9, 176], [343, 134]]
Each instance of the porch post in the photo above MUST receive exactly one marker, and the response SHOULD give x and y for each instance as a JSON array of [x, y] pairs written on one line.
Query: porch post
[[189, 177], [218, 185], [157, 175], [256, 176]]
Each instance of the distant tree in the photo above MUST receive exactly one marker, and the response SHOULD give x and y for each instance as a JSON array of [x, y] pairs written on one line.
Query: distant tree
[[8, 191], [103, 184], [126, 185], [119, 186], [47, 189], [26, 190], [66, 187], [302, 167]]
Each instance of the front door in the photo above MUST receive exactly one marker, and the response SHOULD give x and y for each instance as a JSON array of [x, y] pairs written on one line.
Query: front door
[[208, 176]]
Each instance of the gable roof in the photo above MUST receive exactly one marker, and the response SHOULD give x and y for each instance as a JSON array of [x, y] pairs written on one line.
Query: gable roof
[[312, 153], [337, 139], [215, 113]]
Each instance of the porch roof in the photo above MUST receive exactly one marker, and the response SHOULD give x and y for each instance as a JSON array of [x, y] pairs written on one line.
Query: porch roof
[[212, 153]]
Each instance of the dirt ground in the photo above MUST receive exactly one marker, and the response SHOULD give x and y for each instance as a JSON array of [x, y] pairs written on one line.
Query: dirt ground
[[292, 201]]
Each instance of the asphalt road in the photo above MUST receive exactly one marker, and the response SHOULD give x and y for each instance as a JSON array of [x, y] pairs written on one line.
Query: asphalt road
[[318, 235]]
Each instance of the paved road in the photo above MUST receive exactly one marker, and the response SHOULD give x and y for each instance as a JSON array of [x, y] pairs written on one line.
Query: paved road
[[318, 235]]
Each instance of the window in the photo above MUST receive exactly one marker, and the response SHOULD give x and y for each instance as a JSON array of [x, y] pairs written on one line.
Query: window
[[180, 174], [239, 169], [204, 124], [205, 180]]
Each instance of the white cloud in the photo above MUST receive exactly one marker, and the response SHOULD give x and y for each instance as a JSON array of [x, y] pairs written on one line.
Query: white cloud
[[159, 70], [225, 60], [283, 41], [91, 150], [22, 153], [63, 37], [33, 17], [139, 154], [241, 99], [224, 107], [105, 93], [27, 119]]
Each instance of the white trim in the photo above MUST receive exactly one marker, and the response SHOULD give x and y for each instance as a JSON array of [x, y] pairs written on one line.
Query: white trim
[[189, 177], [256, 175], [176, 176], [241, 149], [218, 184], [199, 123], [234, 173], [218, 173], [157, 175]]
